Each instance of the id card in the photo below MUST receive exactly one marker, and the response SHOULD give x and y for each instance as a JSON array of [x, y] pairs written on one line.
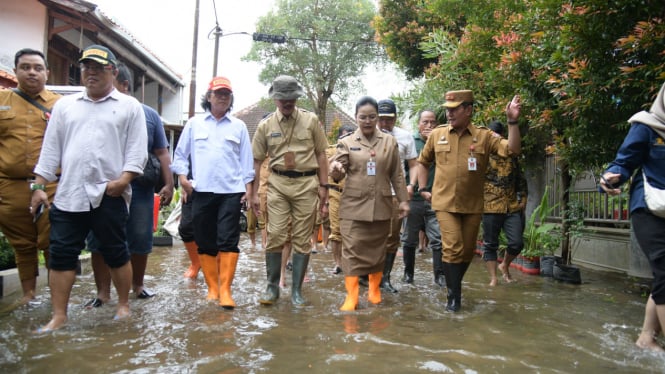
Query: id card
[[371, 168], [473, 166], [289, 160]]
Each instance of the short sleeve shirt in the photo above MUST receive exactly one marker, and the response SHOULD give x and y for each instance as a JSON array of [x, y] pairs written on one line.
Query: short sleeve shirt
[[300, 133], [457, 189]]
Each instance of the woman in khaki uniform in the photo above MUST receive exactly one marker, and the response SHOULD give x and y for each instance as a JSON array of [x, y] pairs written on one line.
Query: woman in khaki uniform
[[370, 160]]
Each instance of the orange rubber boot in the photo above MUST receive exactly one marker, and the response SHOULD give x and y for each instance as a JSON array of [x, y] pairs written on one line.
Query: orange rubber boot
[[210, 269], [227, 270], [192, 251], [351, 294], [374, 292]]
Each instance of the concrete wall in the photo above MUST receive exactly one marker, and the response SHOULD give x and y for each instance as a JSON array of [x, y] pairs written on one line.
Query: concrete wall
[[22, 25], [611, 249]]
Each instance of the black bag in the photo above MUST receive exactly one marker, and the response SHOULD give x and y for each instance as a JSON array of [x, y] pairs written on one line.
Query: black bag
[[152, 173]]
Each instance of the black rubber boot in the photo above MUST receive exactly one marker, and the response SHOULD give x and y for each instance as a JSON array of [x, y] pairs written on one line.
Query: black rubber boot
[[300, 262], [437, 267], [409, 255], [274, 269], [453, 274], [387, 268]]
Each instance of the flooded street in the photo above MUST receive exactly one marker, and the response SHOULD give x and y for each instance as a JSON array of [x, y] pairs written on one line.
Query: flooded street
[[534, 325]]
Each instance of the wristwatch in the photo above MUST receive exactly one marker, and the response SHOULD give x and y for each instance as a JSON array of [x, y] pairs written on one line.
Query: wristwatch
[[36, 186]]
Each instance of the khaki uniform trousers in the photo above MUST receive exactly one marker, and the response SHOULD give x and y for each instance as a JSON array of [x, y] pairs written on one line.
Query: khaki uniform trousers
[[333, 215], [392, 245], [293, 199], [16, 224], [459, 234]]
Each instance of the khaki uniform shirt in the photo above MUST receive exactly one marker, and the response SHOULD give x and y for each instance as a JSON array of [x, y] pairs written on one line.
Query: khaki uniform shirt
[[22, 128], [265, 173], [456, 189], [300, 133], [366, 197], [339, 185]]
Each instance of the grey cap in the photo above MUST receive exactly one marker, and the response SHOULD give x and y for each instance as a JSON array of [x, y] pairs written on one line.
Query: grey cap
[[285, 87]]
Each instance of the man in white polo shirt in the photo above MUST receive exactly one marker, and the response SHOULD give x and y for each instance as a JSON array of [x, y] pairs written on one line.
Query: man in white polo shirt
[[408, 155]]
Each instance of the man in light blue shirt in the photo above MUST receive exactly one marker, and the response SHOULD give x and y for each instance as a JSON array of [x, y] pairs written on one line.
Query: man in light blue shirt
[[222, 174]]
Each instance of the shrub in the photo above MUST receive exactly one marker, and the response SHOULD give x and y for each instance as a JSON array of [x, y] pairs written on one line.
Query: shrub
[[7, 260]]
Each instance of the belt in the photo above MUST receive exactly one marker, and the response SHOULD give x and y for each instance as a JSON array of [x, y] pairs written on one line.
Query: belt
[[31, 179], [294, 174], [335, 187]]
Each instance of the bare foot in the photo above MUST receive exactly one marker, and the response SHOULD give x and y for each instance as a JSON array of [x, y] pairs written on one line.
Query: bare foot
[[27, 298], [122, 312], [647, 341], [505, 273], [493, 282], [54, 324]]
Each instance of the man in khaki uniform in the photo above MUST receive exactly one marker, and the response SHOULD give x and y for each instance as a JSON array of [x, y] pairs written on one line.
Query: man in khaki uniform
[[461, 153], [335, 189], [22, 127], [296, 145]]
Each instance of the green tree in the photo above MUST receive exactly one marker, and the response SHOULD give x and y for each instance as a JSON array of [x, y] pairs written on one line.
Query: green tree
[[582, 68], [329, 43]]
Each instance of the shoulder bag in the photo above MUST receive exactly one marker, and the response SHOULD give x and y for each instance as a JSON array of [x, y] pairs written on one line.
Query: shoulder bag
[[654, 197]]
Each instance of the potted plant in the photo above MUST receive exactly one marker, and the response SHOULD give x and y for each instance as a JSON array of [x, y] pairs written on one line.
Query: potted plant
[[541, 238]]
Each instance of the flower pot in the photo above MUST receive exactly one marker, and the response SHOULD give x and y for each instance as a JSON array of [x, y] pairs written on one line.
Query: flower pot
[[162, 241], [531, 265], [567, 273], [517, 263], [547, 265]]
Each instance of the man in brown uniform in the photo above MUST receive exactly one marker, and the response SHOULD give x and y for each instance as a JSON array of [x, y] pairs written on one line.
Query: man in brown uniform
[[335, 188], [461, 153], [22, 127], [296, 145]]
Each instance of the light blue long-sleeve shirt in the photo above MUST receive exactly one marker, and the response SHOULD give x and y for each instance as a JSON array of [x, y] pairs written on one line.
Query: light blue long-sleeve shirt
[[221, 154]]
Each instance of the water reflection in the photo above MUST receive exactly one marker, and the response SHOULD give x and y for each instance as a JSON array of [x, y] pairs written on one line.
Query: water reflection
[[534, 325]]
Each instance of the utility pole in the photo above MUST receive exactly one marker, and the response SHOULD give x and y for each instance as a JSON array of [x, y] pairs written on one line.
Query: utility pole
[[218, 34], [192, 83]]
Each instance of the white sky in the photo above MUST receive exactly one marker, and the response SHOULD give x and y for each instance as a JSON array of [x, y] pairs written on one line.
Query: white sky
[[166, 28]]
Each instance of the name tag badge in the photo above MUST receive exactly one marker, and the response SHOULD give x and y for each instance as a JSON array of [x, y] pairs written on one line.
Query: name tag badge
[[275, 134], [371, 168], [473, 166], [442, 142], [354, 148]]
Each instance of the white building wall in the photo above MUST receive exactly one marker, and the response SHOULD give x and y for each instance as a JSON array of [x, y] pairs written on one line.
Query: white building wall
[[22, 25]]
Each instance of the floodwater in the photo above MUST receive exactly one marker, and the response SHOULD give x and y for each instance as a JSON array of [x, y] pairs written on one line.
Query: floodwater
[[536, 325]]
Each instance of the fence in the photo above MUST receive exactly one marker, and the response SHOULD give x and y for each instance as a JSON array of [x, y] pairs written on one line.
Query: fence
[[597, 209]]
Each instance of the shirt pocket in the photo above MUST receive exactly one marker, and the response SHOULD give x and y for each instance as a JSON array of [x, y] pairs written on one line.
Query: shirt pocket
[[7, 114], [442, 153], [200, 134], [275, 139], [303, 136], [657, 152], [233, 143]]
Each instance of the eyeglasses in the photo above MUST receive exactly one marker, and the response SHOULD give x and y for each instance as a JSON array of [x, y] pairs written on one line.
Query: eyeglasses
[[371, 117], [222, 94], [95, 68]]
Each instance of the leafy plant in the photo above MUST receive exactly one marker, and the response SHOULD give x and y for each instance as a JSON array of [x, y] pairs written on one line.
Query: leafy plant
[[7, 260], [541, 238]]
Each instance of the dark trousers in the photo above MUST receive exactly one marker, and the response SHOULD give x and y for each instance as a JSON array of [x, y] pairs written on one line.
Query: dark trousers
[[70, 229], [216, 219], [513, 227], [649, 234]]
